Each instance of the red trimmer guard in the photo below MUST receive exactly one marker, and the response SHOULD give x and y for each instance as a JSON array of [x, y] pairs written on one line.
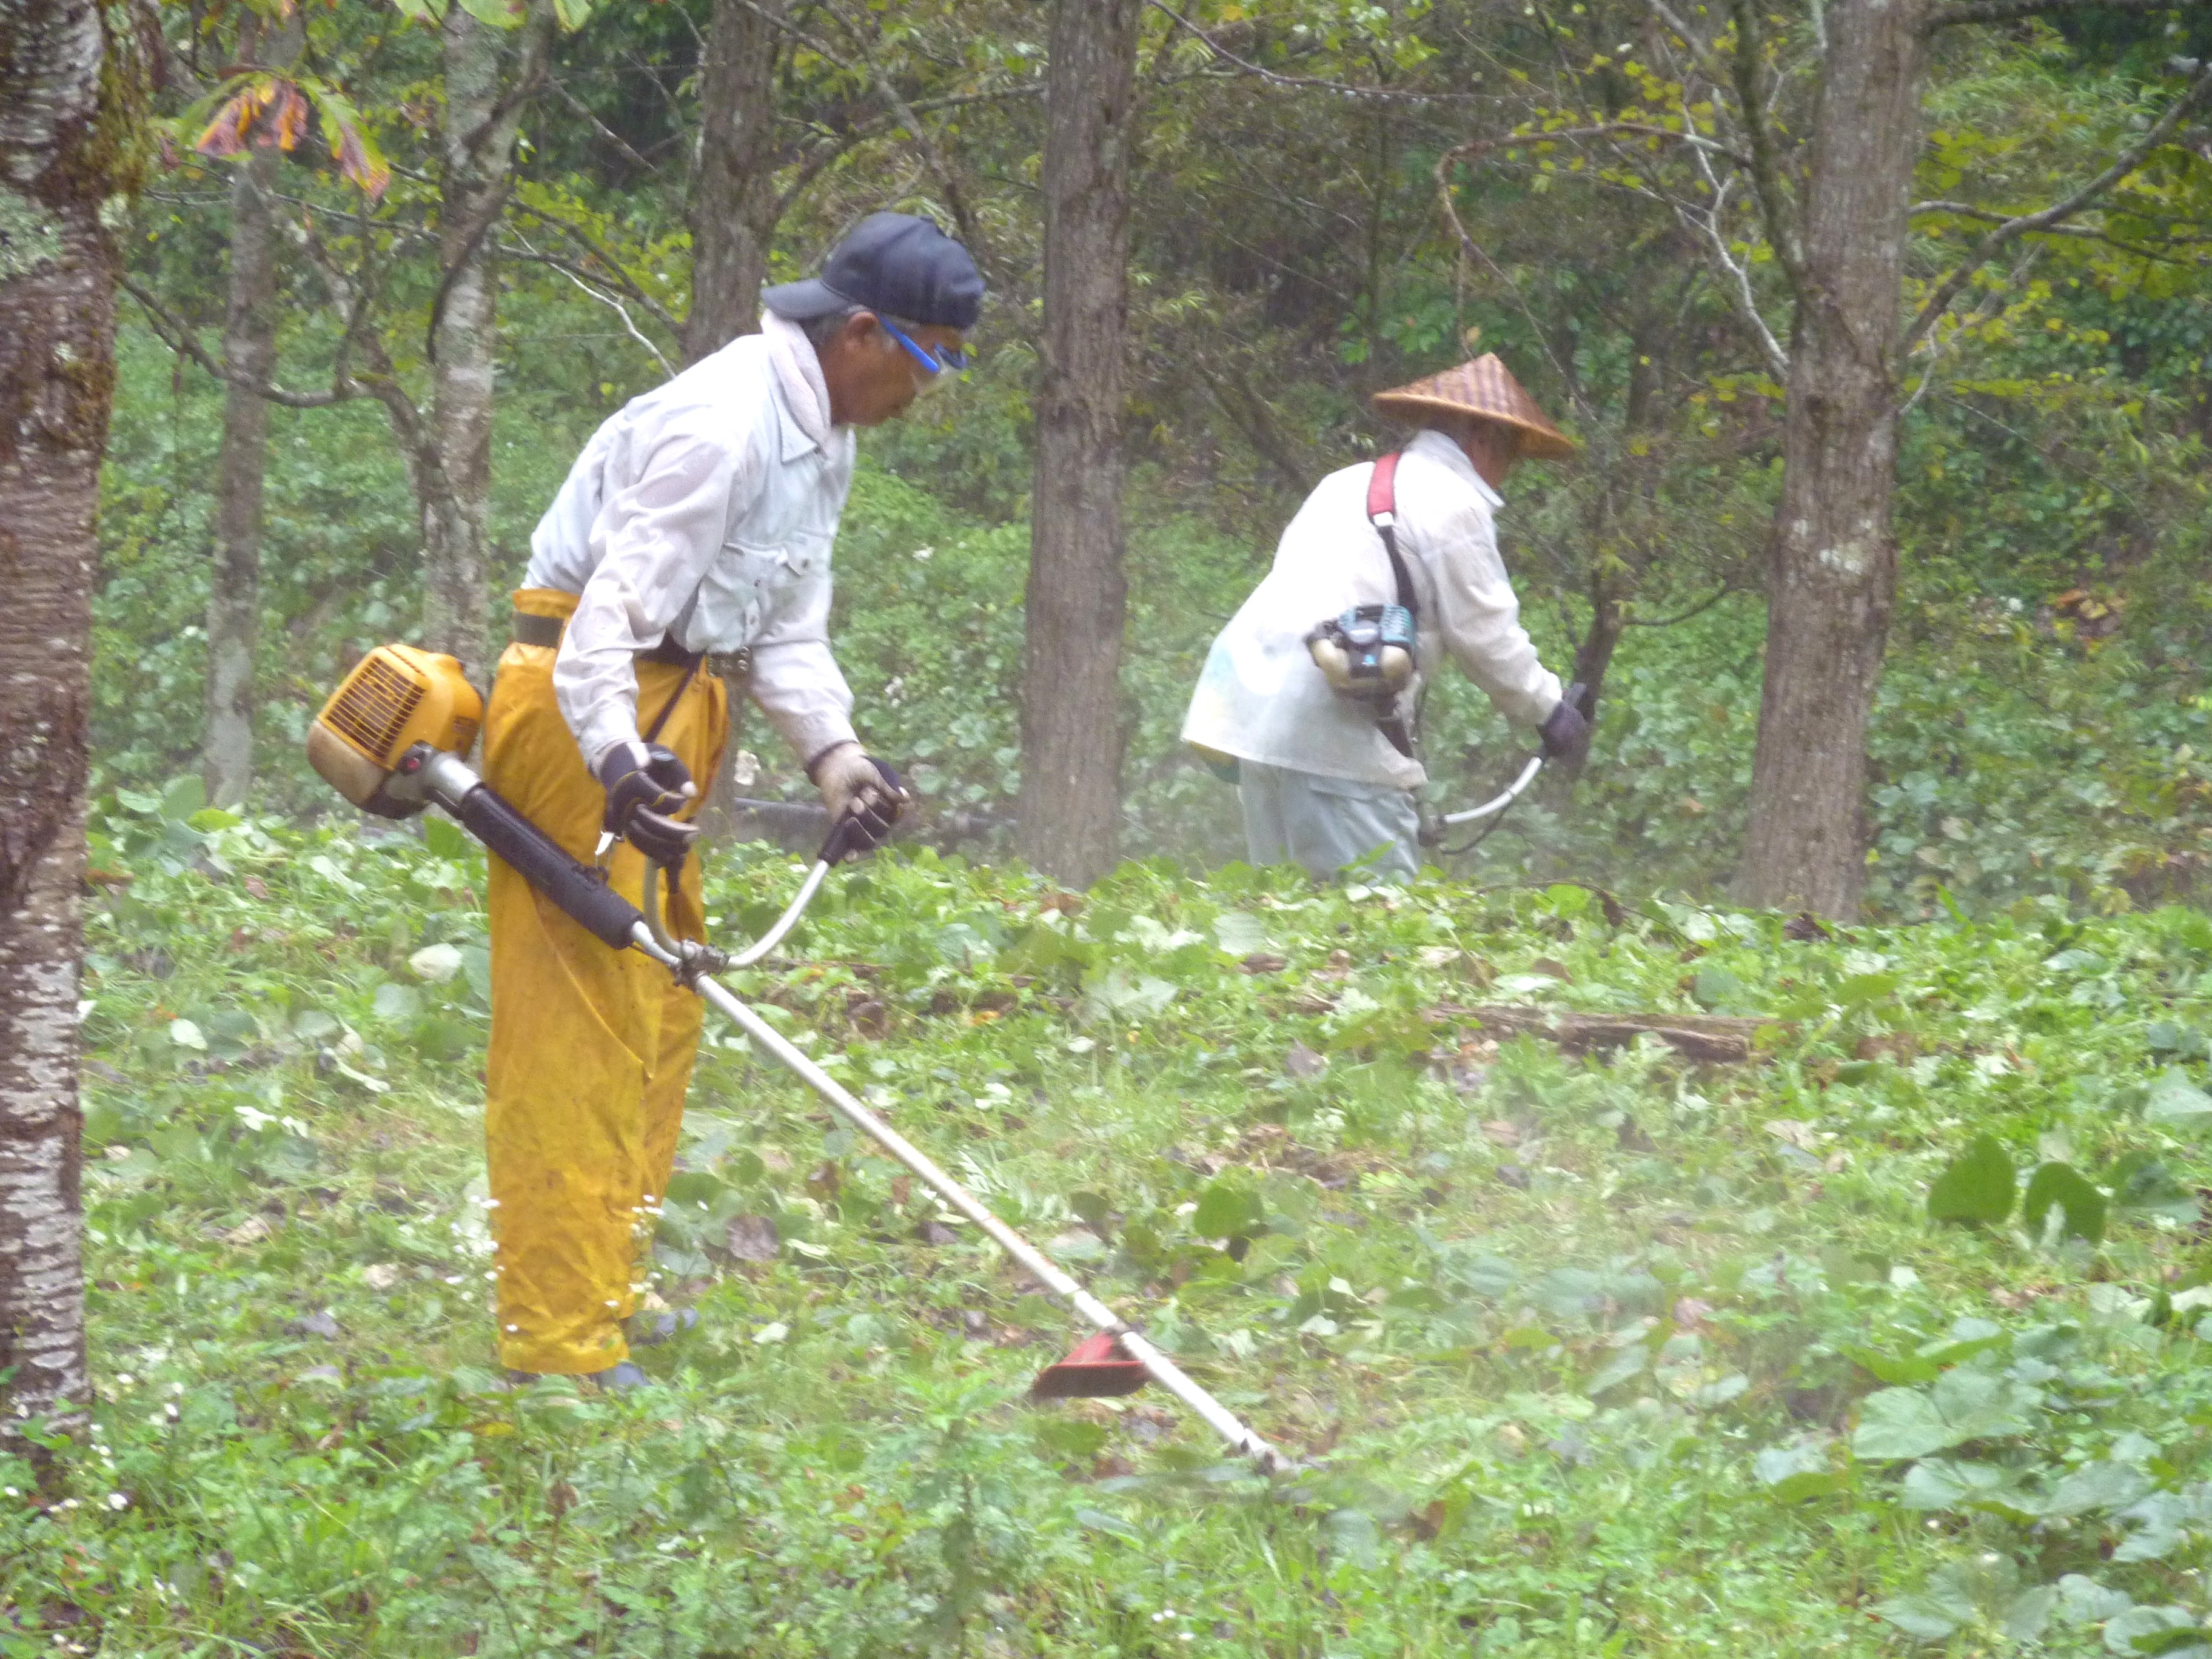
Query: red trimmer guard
[[1097, 1367]]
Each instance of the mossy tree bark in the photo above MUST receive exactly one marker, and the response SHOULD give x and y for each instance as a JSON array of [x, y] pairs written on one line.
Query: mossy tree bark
[[1834, 574], [57, 168]]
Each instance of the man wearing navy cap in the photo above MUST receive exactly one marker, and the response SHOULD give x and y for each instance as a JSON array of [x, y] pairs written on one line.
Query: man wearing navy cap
[[697, 522]]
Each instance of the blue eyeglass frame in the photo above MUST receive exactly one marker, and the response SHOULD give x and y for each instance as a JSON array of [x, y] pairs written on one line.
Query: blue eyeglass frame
[[943, 360]]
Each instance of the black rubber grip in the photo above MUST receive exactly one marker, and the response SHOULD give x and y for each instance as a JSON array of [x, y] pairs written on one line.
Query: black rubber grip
[[577, 888]]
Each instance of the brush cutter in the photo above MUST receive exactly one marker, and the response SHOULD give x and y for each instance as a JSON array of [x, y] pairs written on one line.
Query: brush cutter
[[390, 740], [1432, 828]]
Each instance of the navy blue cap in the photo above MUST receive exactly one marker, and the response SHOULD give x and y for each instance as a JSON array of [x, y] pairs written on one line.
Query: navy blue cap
[[894, 264]]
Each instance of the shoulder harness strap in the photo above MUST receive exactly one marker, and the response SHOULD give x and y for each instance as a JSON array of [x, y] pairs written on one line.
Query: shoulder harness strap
[[1382, 514]]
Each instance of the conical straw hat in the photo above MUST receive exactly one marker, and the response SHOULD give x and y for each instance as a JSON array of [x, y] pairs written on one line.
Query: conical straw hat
[[1486, 388]]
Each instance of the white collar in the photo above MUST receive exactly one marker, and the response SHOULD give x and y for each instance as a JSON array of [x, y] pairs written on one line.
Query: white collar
[[802, 396], [1435, 447]]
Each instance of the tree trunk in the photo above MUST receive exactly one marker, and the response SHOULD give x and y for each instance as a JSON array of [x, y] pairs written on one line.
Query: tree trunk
[[732, 213], [733, 195], [490, 73], [1834, 571], [57, 377], [249, 347], [1071, 731]]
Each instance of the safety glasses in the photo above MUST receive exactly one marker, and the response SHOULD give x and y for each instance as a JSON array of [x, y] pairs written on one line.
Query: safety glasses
[[941, 365]]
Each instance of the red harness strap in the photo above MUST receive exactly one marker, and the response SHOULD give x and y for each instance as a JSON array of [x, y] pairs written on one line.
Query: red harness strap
[[1382, 514], [1382, 495]]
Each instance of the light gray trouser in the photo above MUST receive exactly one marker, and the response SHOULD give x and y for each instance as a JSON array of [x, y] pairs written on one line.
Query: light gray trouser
[[1326, 823]]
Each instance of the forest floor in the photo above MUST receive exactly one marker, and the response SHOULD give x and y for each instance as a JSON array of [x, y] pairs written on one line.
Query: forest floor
[[1615, 1352]]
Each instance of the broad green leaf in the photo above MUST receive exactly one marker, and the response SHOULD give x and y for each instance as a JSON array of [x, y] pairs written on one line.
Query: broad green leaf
[[435, 962], [397, 1003], [1902, 1370], [1715, 987], [183, 797], [2165, 1037], [2167, 1630], [1982, 1591], [1793, 1474], [1983, 1407], [1238, 933], [444, 837], [1118, 996], [2061, 1187], [1948, 1483], [1962, 1405], [1630, 1362], [1040, 949], [2177, 1102], [2096, 1488], [1976, 1187], [1226, 1210], [187, 1034], [2141, 1181], [441, 1037], [1861, 989], [1898, 1422]]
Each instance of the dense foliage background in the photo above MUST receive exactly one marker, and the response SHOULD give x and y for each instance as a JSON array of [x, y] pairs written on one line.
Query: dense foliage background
[[2039, 729], [1888, 1334]]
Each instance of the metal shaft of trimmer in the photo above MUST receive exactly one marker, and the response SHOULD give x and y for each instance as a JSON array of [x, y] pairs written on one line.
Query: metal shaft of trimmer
[[583, 893], [1157, 1366]]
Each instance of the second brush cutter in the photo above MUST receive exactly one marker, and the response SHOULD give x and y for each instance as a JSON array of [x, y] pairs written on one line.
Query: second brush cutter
[[391, 739]]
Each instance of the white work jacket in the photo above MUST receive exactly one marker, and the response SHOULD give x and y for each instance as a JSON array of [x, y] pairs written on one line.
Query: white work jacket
[[705, 510], [1262, 698]]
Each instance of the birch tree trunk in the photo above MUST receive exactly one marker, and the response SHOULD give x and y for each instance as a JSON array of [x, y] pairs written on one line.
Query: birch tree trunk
[[1071, 726], [57, 377], [1834, 573], [490, 75], [249, 347], [733, 194]]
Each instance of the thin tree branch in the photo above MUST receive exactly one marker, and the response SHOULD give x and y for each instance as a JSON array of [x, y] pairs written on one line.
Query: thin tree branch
[[2027, 223], [616, 278], [924, 140], [1696, 610], [1305, 83], [2162, 249], [1940, 343], [177, 335], [622, 144], [594, 291], [1778, 357], [1774, 205]]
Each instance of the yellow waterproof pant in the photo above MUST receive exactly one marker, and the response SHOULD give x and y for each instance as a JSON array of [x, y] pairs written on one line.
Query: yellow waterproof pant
[[591, 1048]]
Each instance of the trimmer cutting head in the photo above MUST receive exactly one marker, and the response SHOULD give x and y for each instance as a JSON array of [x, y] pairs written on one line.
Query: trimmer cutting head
[[1096, 1368]]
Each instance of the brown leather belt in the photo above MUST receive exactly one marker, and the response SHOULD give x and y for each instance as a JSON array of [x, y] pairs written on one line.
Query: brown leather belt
[[532, 630]]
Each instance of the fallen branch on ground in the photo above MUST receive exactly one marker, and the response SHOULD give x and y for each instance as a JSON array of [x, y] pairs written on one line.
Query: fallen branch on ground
[[1713, 1038]]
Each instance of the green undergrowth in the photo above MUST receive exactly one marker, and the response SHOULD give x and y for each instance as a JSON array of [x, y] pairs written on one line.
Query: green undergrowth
[[1612, 1353]]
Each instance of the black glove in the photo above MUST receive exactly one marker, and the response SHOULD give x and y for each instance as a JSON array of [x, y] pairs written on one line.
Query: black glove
[[864, 796], [646, 786], [1566, 733]]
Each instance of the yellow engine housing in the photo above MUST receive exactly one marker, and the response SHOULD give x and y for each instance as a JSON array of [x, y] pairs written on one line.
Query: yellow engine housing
[[396, 697]]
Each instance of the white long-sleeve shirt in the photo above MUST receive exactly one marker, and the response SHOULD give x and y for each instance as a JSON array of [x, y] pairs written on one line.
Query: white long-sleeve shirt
[[1261, 697], [706, 509]]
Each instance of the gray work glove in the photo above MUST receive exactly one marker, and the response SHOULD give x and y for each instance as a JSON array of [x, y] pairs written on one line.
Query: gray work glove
[[863, 795], [1566, 733]]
